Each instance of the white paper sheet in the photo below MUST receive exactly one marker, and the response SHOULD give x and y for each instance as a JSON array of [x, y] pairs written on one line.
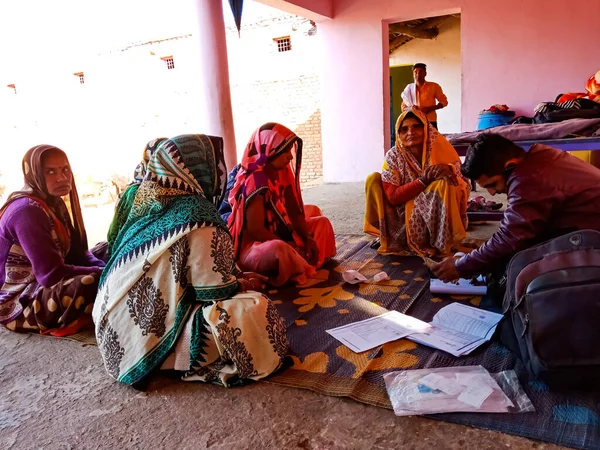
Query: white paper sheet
[[355, 277], [475, 379], [381, 276], [475, 395], [464, 287], [370, 333], [451, 341], [446, 385]]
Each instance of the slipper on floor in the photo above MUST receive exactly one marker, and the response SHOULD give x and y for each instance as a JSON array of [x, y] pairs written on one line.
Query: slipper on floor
[[73, 328], [480, 204]]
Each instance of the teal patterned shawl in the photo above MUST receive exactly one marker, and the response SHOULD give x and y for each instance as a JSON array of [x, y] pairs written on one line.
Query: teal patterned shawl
[[181, 189]]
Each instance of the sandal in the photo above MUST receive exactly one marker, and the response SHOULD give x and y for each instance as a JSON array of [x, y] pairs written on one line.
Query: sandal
[[375, 244], [480, 204]]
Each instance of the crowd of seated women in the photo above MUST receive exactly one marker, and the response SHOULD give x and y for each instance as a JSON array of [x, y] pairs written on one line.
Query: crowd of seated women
[[178, 284]]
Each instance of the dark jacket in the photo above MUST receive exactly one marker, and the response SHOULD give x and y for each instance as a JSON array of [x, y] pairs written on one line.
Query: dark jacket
[[550, 193], [225, 208]]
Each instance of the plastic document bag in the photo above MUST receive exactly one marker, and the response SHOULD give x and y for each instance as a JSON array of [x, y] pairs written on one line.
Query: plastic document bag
[[455, 389]]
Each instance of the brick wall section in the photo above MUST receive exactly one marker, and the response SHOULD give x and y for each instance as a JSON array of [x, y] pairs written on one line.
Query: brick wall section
[[293, 102], [312, 158]]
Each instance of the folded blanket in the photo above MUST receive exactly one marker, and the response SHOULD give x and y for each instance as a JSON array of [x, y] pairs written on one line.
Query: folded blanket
[[579, 103], [528, 132]]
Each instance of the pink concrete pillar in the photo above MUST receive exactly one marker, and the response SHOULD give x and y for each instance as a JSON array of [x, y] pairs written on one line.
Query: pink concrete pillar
[[215, 102]]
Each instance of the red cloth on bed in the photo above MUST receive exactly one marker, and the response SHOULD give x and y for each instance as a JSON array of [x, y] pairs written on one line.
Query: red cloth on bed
[[575, 95], [592, 87], [593, 84]]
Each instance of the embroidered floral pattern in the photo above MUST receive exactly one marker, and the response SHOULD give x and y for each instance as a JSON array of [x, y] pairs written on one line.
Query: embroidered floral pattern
[[147, 307], [222, 253], [108, 340], [112, 352], [430, 223], [236, 351], [180, 251], [103, 320], [276, 331], [146, 267], [209, 375]]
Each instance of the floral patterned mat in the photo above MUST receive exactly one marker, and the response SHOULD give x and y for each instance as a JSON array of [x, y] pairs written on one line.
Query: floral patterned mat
[[321, 363]]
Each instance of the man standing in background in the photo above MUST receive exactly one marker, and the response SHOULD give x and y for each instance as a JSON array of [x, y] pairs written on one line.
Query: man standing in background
[[425, 95]]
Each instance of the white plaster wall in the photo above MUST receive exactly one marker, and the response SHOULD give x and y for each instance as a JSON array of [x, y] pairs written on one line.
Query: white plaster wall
[[442, 56], [129, 97], [255, 63]]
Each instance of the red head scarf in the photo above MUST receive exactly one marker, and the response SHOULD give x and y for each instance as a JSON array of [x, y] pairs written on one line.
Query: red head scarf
[[267, 142]]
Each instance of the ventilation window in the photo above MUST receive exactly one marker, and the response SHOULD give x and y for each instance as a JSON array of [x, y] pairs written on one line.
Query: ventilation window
[[169, 62], [13, 87], [80, 76], [284, 44]]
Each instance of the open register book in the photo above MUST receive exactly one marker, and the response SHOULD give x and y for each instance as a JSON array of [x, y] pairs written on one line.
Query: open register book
[[458, 329]]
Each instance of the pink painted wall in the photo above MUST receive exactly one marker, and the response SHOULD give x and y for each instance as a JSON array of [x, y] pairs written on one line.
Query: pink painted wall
[[518, 52], [311, 9], [547, 47]]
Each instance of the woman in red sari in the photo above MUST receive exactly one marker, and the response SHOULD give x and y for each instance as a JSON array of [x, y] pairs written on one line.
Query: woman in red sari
[[274, 233]]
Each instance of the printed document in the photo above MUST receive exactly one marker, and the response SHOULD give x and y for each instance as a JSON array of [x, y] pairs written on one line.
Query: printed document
[[375, 331], [459, 329]]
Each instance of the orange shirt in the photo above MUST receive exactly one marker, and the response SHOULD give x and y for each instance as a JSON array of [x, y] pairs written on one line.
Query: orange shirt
[[428, 95]]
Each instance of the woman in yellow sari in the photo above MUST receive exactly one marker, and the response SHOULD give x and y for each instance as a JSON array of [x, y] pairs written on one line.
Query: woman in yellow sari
[[419, 201]]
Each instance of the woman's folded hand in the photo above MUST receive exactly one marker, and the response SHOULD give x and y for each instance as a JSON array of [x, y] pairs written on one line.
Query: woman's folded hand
[[312, 251], [440, 172], [251, 281]]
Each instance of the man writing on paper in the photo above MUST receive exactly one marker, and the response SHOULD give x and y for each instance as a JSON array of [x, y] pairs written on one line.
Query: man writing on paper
[[550, 193], [425, 95]]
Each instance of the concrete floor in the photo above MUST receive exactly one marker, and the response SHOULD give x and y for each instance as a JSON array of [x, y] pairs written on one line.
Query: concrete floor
[[54, 394]]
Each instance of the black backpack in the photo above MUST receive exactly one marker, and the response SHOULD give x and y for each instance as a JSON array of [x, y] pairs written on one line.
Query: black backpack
[[552, 308]]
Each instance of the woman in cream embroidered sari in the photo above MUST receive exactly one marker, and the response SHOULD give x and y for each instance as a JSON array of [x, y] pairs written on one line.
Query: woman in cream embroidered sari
[[169, 296], [419, 201]]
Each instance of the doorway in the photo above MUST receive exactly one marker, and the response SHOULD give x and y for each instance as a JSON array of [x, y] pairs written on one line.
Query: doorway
[[434, 41]]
